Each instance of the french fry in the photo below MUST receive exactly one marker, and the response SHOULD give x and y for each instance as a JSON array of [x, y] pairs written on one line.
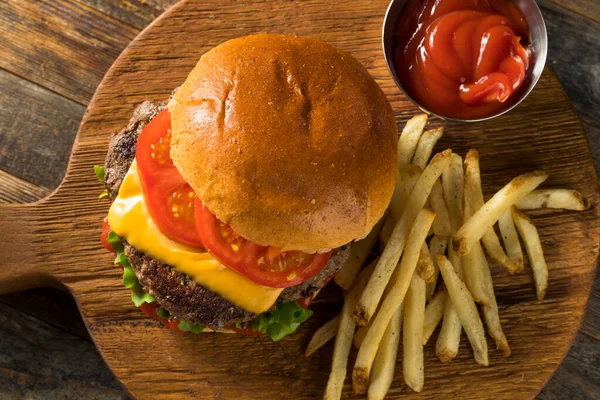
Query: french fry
[[490, 311], [386, 230], [359, 252], [494, 248], [425, 147], [473, 266], [511, 240], [343, 339], [441, 224], [425, 267], [396, 202], [446, 347], [473, 192], [554, 198], [492, 321], [533, 245], [489, 239], [473, 202], [437, 245], [408, 177], [492, 210], [466, 309], [323, 335], [409, 138], [412, 335], [385, 360], [361, 332], [473, 271], [428, 206], [389, 297], [453, 189], [391, 254], [391, 302], [433, 313]]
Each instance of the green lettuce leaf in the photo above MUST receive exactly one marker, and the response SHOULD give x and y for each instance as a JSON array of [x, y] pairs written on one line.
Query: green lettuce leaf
[[281, 322], [121, 259], [115, 242], [129, 278], [163, 313], [189, 327], [99, 171], [139, 297]]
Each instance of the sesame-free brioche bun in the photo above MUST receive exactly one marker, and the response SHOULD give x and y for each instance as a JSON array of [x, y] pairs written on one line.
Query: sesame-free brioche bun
[[286, 139]]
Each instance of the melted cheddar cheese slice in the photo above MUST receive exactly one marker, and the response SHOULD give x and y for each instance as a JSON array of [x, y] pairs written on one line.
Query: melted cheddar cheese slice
[[130, 219]]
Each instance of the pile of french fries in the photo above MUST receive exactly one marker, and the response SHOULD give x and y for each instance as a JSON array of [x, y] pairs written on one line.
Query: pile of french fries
[[432, 268]]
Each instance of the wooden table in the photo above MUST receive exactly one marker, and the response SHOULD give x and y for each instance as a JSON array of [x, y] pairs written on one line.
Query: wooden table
[[53, 54]]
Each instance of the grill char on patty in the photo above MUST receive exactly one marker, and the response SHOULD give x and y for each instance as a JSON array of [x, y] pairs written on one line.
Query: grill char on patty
[[173, 290]]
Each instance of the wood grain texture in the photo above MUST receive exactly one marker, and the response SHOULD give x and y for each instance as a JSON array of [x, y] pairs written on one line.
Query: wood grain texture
[[585, 8], [138, 13], [591, 324], [16, 190], [577, 376], [38, 128], [208, 365], [35, 372], [64, 45], [576, 41], [51, 306]]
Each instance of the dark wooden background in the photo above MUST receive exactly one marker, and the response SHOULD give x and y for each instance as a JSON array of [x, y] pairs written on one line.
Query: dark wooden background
[[53, 54]]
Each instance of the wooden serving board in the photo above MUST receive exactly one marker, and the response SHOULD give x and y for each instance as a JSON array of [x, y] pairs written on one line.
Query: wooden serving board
[[56, 240]]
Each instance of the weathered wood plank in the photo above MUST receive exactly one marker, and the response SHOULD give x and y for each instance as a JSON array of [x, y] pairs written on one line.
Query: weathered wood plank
[[138, 13], [578, 72], [591, 323], [573, 55], [577, 377], [15, 190], [40, 361], [588, 9], [165, 53], [37, 132], [50, 306], [574, 363], [62, 45]]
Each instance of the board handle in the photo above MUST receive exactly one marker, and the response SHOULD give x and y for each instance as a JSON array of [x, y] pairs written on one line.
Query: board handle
[[20, 259]]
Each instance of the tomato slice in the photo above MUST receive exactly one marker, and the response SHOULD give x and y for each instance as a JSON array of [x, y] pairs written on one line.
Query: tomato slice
[[169, 198], [183, 218], [305, 302], [267, 266], [150, 309], [104, 235]]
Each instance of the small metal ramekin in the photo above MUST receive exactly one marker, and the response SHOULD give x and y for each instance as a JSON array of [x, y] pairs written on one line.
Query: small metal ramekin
[[539, 51]]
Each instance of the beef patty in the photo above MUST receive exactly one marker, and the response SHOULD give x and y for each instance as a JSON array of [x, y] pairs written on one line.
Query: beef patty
[[173, 290]]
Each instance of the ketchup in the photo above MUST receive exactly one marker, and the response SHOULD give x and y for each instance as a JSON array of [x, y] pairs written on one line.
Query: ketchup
[[462, 58]]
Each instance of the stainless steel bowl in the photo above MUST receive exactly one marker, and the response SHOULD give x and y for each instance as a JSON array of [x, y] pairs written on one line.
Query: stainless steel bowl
[[539, 46]]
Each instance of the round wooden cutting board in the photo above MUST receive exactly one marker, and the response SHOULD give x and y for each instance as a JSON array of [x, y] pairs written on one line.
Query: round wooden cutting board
[[56, 241]]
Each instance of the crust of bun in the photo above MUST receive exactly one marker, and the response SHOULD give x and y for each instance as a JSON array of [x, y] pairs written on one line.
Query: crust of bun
[[287, 139]]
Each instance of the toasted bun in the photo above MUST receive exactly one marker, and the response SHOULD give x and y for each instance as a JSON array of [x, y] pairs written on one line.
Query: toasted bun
[[287, 139]]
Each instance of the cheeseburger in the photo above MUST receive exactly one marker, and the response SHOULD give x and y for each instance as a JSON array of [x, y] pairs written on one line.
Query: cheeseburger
[[236, 200]]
